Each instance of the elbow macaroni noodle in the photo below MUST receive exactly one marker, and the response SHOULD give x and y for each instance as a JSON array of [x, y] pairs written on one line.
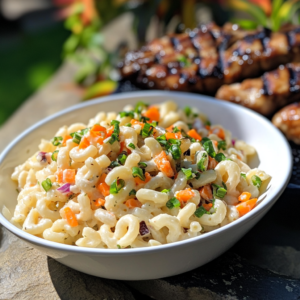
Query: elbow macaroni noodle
[[147, 181]]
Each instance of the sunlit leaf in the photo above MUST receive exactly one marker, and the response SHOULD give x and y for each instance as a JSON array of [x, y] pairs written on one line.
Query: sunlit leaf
[[246, 24], [101, 88], [288, 9], [255, 11], [71, 44], [266, 5]]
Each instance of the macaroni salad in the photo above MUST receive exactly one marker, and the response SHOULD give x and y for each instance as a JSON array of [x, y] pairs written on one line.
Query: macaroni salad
[[147, 176]]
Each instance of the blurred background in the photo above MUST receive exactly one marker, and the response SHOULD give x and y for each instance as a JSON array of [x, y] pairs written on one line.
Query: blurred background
[[37, 36]]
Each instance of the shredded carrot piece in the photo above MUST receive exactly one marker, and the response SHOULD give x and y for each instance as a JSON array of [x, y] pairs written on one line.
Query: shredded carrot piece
[[245, 196], [170, 128], [103, 188], [207, 206], [100, 202], [212, 163], [132, 203], [60, 175], [152, 113], [98, 127], [206, 193], [69, 176], [170, 135], [100, 140], [163, 164], [219, 132], [135, 122], [84, 143], [185, 195], [244, 207], [194, 134], [67, 137], [207, 127], [70, 216], [140, 181], [109, 131]]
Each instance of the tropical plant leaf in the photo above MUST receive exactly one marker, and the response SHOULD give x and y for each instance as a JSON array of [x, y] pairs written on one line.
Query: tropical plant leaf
[[100, 88], [276, 5], [246, 24], [254, 10], [288, 9]]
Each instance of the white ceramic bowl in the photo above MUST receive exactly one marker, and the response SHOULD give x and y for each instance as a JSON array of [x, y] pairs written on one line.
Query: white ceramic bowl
[[274, 157]]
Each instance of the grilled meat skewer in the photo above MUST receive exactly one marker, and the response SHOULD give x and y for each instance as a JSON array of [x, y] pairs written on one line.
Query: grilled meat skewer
[[205, 58], [267, 93], [288, 121]]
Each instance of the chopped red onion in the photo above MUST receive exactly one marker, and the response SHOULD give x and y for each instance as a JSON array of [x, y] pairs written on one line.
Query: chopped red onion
[[65, 188], [143, 228], [233, 142], [41, 157]]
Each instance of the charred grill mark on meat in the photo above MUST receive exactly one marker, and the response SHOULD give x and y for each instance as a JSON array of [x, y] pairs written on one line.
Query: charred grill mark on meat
[[210, 56], [267, 93]]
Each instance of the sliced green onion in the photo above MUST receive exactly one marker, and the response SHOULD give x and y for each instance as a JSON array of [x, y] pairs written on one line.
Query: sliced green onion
[[200, 211], [138, 172], [54, 155], [119, 247], [188, 173], [166, 191], [243, 175], [173, 202], [114, 164], [128, 125], [144, 119], [175, 151], [126, 114], [256, 181], [222, 145], [122, 158], [175, 129], [209, 148], [219, 191], [131, 145], [154, 123], [207, 123], [47, 184], [187, 111], [204, 139], [220, 157], [132, 192], [142, 165], [76, 137], [140, 106], [115, 135], [56, 141], [201, 163], [116, 186], [147, 130], [162, 140], [174, 142]]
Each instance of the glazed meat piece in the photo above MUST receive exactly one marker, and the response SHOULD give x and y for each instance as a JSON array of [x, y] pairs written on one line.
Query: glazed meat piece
[[203, 59], [288, 121], [267, 93]]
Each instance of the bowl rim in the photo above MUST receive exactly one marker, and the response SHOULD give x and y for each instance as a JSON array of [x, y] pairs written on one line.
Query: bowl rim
[[270, 199]]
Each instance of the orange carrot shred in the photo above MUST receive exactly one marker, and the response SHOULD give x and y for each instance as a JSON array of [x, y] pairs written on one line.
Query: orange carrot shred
[[246, 206], [245, 196], [135, 122], [84, 143], [163, 164], [212, 163], [207, 206], [140, 181], [185, 195], [170, 135], [67, 137], [219, 132], [152, 113], [59, 175], [206, 193], [70, 216], [110, 131], [194, 134], [98, 127], [100, 202], [103, 188], [132, 203], [69, 176]]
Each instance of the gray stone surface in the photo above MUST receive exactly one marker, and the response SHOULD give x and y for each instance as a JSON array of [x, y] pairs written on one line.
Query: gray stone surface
[[26, 273]]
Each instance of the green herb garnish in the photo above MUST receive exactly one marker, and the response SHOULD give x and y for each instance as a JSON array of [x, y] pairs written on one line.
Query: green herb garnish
[[147, 130], [54, 155], [173, 202], [126, 114], [138, 172], [222, 145], [219, 191], [188, 173], [200, 211], [175, 129], [140, 106], [116, 186], [188, 111], [220, 156], [142, 165], [209, 148], [131, 145], [243, 175], [122, 158], [47, 184], [256, 181], [201, 163], [166, 191], [132, 192], [175, 151], [56, 141]]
